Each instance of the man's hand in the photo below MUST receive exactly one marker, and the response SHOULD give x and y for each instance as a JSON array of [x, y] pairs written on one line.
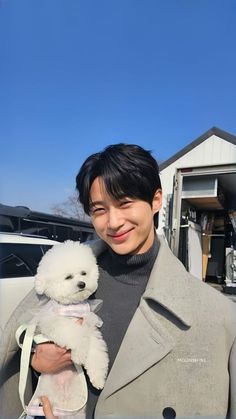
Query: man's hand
[[47, 409], [50, 358]]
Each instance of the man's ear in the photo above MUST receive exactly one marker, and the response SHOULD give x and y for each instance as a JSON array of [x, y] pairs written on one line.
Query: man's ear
[[39, 284], [157, 201]]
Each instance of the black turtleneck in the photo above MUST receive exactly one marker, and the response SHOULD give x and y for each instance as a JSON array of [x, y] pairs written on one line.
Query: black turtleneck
[[122, 281]]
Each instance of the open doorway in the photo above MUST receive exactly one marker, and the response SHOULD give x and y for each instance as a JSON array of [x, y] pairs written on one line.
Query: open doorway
[[207, 228]]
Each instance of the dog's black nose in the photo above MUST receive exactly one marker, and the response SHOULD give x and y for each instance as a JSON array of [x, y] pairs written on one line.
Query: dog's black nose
[[81, 285]]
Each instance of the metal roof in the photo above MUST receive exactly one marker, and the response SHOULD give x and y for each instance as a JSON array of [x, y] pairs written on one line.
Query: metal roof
[[27, 213], [213, 131]]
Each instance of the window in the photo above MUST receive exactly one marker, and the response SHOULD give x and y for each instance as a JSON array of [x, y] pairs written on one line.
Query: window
[[18, 260]]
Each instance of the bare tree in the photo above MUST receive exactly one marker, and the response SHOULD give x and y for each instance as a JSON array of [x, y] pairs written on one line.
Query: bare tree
[[71, 207]]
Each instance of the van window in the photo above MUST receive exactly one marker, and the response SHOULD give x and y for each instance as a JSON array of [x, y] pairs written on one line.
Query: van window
[[18, 260]]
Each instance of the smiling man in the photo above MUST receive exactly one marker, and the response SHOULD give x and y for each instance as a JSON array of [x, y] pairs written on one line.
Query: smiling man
[[125, 224], [170, 337], [121, 190]]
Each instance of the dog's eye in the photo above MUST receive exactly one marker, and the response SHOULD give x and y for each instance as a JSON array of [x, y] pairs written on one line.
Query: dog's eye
[[69, 277], [83, 273]]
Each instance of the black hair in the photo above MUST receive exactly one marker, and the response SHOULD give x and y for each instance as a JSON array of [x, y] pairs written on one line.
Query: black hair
[[127, 170]]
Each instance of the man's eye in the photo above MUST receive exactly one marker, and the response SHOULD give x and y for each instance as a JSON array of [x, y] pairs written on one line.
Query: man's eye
[[125, 203], [69, 277], [97, 210]]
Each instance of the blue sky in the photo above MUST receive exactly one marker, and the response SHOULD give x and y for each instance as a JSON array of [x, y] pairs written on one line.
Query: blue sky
[[79, 75]]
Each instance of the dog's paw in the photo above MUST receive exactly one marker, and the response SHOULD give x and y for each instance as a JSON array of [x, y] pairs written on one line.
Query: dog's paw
[[97, 381]]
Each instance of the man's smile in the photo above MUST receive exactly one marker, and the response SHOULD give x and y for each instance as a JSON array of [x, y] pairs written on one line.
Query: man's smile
[[120, 235]]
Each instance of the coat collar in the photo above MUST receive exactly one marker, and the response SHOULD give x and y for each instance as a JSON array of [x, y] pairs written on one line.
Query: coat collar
[[169, 283]]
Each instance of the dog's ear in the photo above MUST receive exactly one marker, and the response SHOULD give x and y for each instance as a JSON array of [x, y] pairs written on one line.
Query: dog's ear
[[39, 284]]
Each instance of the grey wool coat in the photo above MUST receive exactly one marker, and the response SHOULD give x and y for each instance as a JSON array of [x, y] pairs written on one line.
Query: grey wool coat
[[177, 359]]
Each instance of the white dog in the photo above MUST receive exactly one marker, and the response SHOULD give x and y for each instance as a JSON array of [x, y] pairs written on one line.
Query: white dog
[[68, 275]]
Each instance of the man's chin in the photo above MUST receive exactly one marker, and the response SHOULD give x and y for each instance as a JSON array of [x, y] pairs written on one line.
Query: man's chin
[[121, 249]]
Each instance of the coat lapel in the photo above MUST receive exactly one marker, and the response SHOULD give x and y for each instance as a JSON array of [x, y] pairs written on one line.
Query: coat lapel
[[170, 284], [147, 341], [143, 346]]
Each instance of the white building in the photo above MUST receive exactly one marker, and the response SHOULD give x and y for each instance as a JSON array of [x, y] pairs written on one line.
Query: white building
[[199, 208]]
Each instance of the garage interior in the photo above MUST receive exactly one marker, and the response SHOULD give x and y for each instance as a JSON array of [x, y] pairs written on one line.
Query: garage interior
[[207, 244]]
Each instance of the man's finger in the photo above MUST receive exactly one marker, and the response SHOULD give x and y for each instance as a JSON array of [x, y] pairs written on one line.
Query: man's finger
[[47, 409]]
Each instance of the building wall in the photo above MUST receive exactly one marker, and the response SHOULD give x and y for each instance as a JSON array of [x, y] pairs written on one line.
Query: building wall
[[213, 151]]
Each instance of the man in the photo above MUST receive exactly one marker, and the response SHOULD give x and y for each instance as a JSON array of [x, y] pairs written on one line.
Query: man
[[170, 337]]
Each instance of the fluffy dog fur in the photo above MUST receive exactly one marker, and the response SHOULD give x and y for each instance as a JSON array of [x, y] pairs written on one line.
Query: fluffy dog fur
[[68, 274]]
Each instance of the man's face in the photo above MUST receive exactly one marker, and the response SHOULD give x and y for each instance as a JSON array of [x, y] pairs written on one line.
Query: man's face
[[126, 225]]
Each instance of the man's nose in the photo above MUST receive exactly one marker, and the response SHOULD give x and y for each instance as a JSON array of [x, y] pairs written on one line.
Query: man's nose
[[115, 218]]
